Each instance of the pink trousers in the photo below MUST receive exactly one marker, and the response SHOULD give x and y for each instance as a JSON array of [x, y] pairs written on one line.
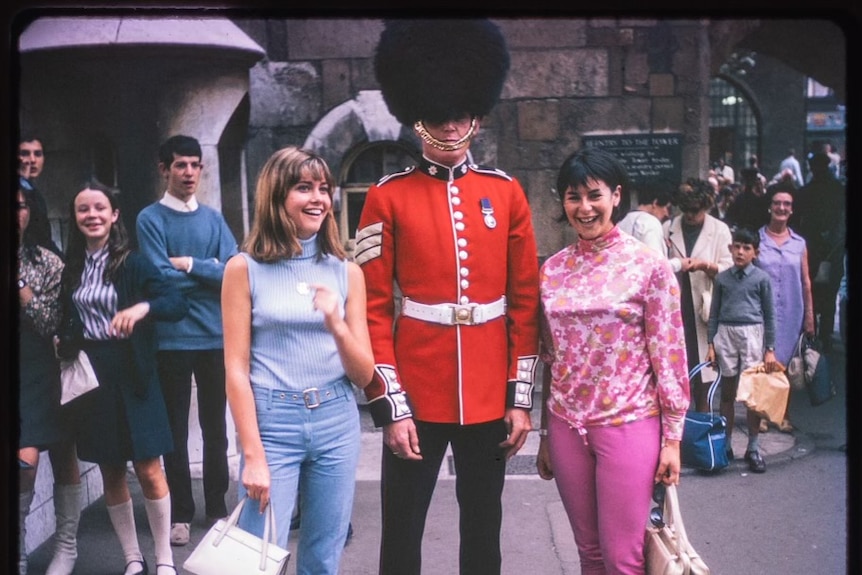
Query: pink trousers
[[605, 479]]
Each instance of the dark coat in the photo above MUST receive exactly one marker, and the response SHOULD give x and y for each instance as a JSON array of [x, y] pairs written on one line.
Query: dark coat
[[125, 418], [138, 280]]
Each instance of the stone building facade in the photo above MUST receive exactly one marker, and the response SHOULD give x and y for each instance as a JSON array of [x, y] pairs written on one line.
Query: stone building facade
[[246, 86], [569, 78]]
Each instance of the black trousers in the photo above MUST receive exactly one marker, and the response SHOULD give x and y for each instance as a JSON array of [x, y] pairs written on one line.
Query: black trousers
[[175, 373], [407, 488]]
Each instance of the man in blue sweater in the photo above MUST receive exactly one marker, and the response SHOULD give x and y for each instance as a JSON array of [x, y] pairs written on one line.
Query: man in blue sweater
[[190, 243]]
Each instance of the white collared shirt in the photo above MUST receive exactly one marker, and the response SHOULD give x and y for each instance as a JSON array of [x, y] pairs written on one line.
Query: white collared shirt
[[175, 203]]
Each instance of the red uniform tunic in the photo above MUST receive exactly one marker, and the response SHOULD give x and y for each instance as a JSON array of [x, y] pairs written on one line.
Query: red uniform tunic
[[459, 235]]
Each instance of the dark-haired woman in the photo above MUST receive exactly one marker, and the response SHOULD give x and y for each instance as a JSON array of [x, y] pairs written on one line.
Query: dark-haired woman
[[617, 388], [111, 297], [42, 424]]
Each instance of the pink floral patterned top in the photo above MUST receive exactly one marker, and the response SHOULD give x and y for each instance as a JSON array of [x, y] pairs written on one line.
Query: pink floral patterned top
[[612, 334]]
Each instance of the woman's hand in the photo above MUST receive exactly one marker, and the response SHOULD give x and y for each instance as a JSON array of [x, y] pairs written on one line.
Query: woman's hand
[[668, 463], [326, 301], [543, 460], [124, 322], [256, 480]]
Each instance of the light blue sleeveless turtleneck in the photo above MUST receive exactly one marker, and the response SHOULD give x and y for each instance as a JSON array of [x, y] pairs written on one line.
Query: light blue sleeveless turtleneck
[[291, 349]]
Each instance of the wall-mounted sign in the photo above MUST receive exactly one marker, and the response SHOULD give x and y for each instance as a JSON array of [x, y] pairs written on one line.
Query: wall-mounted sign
[[826, 121], [648, 158]]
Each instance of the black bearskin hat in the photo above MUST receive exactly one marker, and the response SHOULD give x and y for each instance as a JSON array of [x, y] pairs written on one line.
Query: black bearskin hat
[[436, 70]]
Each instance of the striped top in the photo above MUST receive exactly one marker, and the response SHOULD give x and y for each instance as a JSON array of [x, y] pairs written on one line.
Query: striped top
[[291, 349], [95, 300]]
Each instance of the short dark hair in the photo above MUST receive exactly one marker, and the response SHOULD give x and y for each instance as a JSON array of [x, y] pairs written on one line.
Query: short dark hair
[[181, 146], [781, 186], [660, 192], [746, 236], [694, 195], [30, 136], [818, 162], [595, 164]]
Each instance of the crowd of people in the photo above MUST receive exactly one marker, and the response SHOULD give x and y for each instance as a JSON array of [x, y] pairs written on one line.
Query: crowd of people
[[442, 319]]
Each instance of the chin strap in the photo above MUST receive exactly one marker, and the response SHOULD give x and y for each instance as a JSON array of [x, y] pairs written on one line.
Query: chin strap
[[420, 130]]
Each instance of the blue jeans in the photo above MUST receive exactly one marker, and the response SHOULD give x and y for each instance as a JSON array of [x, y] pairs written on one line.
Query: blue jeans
[[315, 450]]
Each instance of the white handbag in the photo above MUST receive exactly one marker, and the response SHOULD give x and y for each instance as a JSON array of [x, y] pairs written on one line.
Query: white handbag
[[228, 550], [667, 550], [76, 378]]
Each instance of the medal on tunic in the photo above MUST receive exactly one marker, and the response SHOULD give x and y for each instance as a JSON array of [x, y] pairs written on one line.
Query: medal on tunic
[[488, 211]]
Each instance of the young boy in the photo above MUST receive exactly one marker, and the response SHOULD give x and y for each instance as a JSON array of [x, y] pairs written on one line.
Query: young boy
[[741, 332]]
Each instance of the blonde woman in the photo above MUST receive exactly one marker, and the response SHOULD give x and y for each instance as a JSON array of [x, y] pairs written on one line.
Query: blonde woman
[[295, 338]]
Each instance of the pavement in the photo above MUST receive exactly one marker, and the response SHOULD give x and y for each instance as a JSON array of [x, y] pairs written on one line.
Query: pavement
[[536, 536]]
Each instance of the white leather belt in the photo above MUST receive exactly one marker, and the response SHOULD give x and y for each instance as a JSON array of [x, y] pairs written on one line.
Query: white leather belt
[[454, 314]]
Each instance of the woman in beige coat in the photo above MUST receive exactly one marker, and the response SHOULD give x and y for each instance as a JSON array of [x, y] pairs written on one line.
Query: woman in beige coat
[[697, 245]]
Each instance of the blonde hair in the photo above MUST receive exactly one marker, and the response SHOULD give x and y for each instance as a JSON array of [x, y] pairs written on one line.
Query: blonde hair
[[273, 234]]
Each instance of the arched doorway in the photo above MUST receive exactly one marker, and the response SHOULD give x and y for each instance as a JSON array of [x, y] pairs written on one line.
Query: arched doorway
[[734, 124], [361, 168]]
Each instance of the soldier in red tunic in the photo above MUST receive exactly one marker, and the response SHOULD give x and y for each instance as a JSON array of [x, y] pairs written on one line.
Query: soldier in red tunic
[[455, 361]]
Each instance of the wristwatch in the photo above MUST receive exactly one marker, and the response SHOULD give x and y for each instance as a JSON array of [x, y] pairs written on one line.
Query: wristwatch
[[22, 283], [769, 348]]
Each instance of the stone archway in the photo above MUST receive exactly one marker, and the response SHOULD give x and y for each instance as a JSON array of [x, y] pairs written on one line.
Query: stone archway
[[363, 119]]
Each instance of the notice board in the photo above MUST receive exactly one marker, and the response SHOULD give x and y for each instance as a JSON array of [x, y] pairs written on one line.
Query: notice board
[[648, 158]]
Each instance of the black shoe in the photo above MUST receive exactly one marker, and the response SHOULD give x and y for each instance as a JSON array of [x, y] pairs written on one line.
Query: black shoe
[[755, 462], [142, 562], [729, 453]]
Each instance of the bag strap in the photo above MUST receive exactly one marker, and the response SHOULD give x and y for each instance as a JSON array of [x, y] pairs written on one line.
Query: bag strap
[[672, 514], [714, 386], [269, 532], [672, 511], [231, 521], [800, 343]]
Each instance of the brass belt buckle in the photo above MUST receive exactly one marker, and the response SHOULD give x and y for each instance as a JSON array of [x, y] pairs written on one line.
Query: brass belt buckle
[[311, 397], [462, 315]]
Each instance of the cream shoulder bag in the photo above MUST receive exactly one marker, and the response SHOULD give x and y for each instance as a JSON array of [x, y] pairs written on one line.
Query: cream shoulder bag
[[667, 550]]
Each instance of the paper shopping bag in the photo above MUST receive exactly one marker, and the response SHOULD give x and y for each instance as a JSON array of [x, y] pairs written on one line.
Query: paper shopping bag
[[764, 393]]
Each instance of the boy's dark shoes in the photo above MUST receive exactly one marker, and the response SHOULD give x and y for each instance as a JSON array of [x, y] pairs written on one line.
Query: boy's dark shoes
[[755, 461]]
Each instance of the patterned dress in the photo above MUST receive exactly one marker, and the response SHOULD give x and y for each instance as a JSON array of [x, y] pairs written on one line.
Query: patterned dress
[[39, 373]]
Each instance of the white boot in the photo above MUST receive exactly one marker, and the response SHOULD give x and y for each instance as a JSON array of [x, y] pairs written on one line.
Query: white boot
[[24, 501], [67, 510]]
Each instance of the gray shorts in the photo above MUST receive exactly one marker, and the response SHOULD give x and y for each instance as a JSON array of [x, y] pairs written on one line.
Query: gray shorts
[[738, 347]]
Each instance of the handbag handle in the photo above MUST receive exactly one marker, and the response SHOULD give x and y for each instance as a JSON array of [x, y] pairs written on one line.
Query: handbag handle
[[713, 387], [269, 532], [672, 510], [799, 343], [673, 517]]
